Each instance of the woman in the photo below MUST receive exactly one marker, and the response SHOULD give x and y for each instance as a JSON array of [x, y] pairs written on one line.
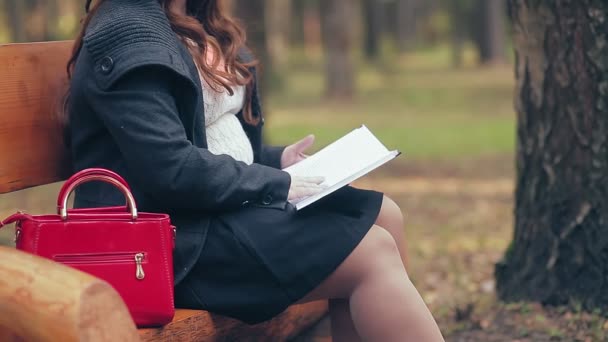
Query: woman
[[163, 93]]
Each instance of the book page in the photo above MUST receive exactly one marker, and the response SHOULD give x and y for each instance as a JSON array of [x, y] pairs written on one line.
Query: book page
[[354, 151], [339, 161]]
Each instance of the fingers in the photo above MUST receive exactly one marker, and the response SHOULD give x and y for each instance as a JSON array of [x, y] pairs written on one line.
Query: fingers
[[305, 180], [302, 187], [304, 144], [303, 192], [294, 153]]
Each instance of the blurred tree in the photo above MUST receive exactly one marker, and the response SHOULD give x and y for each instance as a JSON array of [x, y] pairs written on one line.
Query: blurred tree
[[373, 15], [252, 14], [37, 20], [51, 20], [489, 30], [405, 16], [338, 37], [16, 13], [312, 28], [559, 254], [458, 23], [278, 25], [297, 23]]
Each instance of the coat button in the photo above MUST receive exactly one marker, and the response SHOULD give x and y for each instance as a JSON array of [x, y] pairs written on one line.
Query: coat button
[[107, 64], [267, 200], [263, 121]]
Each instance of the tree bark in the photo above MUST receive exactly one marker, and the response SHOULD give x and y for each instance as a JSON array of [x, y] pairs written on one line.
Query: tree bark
[[337, 22], [559, 253]]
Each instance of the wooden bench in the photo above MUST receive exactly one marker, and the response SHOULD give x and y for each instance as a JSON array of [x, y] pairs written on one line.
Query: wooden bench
[[44, 301]]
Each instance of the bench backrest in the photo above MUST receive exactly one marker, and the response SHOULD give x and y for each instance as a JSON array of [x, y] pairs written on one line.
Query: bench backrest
[[33, 81]]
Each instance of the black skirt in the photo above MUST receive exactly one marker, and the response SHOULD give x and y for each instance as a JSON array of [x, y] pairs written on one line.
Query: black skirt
[[258, 261]]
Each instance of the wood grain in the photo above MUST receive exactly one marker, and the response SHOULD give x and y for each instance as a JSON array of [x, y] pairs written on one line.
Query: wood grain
[[32, 87], [192, 325], [45, 301]]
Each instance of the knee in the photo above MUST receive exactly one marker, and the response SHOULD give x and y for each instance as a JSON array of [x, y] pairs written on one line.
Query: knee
[[391, 219], [391, 212], [375, 257], [384, 250]]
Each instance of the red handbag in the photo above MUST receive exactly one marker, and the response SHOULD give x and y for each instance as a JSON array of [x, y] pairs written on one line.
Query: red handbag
[[132, 251]]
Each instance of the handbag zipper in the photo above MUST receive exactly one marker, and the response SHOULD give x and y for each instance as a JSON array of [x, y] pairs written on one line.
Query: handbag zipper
[[139, 273], [105, 258], [17, 227]]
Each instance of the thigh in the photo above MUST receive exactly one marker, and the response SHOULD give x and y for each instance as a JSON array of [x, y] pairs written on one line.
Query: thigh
[[376, 250], [391, 219]]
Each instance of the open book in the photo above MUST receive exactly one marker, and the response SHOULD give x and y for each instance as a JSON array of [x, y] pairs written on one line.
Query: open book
[[345, 160]]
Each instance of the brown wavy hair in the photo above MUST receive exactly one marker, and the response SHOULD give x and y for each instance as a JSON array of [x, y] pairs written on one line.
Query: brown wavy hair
[[206, 27]]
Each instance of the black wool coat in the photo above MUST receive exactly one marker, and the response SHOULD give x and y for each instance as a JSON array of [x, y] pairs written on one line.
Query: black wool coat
[[136, 107]]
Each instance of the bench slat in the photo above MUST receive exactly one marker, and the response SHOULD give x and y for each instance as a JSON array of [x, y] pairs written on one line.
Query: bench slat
[[193, 325], [32, 85]]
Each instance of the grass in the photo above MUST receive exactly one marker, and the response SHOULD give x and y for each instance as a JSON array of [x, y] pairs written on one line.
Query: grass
[[428, 113]]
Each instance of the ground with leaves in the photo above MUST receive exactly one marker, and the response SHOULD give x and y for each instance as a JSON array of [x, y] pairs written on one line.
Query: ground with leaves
[[459, 222]]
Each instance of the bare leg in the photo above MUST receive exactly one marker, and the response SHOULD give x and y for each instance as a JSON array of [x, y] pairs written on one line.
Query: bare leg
[[391, 219], [384, 304]]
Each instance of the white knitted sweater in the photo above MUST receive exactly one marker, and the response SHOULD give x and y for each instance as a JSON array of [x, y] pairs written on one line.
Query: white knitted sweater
[[225, 135]]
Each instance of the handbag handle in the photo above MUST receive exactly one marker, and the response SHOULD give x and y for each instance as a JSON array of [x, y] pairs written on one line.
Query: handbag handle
[[90, 175], [100, 172]]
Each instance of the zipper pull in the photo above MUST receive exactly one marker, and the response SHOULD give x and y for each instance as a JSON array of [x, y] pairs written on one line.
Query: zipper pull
[[17, 235], [139, 273], [174, 236]]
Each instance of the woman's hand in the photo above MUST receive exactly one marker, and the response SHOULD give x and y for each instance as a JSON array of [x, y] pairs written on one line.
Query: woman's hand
[[295, 152], [304, 187]]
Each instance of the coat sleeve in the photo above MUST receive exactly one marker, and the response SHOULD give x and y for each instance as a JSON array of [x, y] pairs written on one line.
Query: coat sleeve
[[271, 156], [141, 114]]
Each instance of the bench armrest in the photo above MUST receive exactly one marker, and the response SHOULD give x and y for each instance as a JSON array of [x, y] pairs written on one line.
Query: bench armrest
[[45, 301]]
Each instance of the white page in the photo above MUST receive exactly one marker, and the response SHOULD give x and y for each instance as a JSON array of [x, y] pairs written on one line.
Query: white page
[[348, 158]]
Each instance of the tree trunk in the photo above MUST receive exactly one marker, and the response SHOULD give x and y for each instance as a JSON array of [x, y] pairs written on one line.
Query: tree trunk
[[297, 23], [405, 24], [15, 10], [559, 254], [52, 20], [337, 22], [373, 15], [36, 20], [490, 33], [311, 18], [458, 19], [278, 25], [252, 14]]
